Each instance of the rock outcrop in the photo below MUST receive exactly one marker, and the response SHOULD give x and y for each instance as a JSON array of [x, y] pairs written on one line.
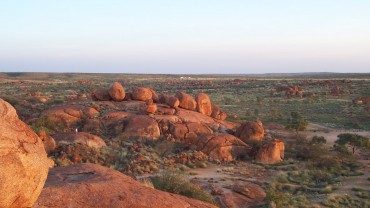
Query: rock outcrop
[[271, 152], [23, 161], [89, 185], [117, 92], [85, 138], [250, 131]]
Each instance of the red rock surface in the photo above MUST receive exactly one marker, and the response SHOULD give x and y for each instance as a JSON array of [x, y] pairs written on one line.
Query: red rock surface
[[204, 105], [188, 132], [80, 138], [250, 131], [186, 101], [192, 116], [23, 161], [117, 92], [271, 152], [89, 185]]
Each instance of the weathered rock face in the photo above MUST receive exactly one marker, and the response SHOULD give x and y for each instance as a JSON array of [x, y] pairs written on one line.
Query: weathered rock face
[[68, 115], [223, 147], [142, 127], [250, 131], [117, 92], [89, 185], [204, 105], [142, 94], [49, 142], [186, 101], [80, 138], [101, 95], [23, 161], [271, 152], [189, 132]]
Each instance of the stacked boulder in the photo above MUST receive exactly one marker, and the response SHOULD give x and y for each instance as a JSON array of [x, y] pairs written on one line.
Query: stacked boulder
[[115, 92], [201, 103]]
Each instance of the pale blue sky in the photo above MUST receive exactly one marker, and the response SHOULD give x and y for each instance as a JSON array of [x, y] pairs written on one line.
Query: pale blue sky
[[188, 36]]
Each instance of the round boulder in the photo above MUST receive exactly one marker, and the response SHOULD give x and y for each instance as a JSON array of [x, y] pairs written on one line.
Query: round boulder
[[142, 94], [117, 92], [186, 101], [23, 161], [250, 131]]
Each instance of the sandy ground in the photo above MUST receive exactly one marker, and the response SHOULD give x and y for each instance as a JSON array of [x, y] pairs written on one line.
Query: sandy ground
[[330, 134]]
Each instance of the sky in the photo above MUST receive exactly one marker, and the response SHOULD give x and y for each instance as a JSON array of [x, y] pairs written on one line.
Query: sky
[[179, 37]]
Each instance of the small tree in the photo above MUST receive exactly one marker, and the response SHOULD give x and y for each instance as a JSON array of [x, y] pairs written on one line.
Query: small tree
[[318, 140], [353, 141], [296, 122]]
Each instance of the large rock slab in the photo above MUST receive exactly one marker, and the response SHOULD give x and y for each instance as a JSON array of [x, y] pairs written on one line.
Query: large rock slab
[[23, 161], [89, 185]]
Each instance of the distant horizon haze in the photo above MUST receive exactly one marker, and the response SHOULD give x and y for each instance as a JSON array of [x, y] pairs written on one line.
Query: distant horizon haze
[[185, 37]]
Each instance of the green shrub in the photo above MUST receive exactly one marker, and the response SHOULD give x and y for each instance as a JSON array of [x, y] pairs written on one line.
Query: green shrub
[[177, 184], [277, 197], [338, 201], [43, 123]]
